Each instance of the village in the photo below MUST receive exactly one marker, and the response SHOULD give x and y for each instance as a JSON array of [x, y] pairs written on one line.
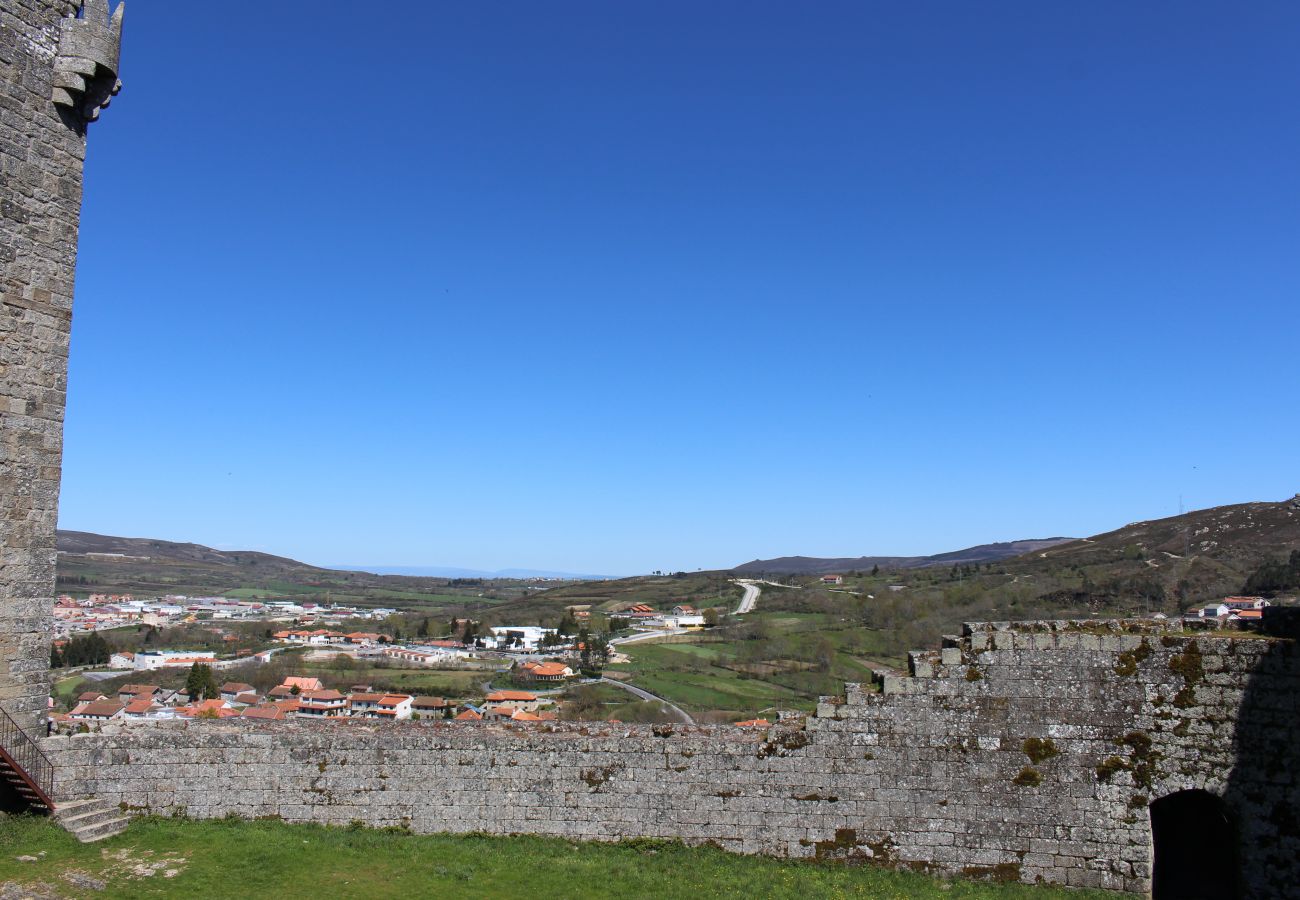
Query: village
[[544, 659], [537, 662], [102, 612], [306, 697]]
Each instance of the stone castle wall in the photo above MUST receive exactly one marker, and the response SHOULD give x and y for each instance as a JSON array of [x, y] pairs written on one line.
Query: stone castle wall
[[42, 149], [1027, 754]]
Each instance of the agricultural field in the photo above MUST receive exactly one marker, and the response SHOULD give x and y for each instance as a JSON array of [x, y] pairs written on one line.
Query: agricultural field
[[230, 858], [767, 661]]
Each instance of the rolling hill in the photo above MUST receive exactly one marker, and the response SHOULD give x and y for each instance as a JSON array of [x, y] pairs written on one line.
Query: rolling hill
[[811, 565], [102, 563]]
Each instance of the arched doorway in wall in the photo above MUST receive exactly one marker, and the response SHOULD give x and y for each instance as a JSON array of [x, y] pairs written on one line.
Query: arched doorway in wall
[[1195, 848]]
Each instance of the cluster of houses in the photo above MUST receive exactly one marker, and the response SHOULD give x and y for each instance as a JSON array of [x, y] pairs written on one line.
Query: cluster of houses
[[500, 639], [150, 660], [322, 637], [680, 616], [103, 611], [301, 698], [1233, 609]]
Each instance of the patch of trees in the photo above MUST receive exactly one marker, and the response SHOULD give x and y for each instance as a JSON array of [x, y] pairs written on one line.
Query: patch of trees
[[201, 684], [86, 650], [1272, 577], [593, 653], [72, 579]]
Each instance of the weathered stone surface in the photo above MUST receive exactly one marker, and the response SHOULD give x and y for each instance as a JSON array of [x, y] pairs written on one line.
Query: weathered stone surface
[[42, 148], [931, 775]]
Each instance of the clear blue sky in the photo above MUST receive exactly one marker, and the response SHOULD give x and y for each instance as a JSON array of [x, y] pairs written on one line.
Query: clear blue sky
[[612, 287]]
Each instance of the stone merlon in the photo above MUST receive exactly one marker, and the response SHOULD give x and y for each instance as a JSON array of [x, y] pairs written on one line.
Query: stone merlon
[[85, 70]]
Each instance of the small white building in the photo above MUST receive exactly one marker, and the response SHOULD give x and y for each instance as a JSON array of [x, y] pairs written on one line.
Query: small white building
[[122, 660], [149, 660], [517, 637], [686, 621]]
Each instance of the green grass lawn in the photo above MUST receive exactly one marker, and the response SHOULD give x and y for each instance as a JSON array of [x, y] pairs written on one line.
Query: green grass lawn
[[772, 659], [66, 688], [456, 683], [233, 859]]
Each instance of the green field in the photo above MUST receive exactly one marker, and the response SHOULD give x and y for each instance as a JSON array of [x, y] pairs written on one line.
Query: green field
[[454, 683], [234, 859], [770, 660]]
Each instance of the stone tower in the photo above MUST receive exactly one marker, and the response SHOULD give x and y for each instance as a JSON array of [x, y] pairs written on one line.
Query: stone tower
[[58, 69]]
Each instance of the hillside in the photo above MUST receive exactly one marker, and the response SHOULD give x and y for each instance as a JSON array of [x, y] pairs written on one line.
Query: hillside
[[1238, 537], [1160, 566], [147, 566], [812, 565]]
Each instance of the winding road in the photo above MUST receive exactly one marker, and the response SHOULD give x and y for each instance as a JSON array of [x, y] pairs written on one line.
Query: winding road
[[752, 590], [646, 695]]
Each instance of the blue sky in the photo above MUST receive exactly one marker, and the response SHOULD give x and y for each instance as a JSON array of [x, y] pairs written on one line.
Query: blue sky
[[613, 287]]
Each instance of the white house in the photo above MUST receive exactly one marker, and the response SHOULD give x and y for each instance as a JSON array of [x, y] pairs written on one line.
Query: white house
[[517, 637], [685, 621], [149, 660], [1213, 611], [122, 660]]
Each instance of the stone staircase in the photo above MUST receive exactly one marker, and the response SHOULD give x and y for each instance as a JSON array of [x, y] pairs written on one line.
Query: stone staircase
[[91, 820]]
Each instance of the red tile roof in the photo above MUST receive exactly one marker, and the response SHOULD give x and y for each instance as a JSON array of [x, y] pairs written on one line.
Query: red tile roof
[[322, 696], [303, 683], [430, 703], [524, 696], [100, 709], [264, 712]]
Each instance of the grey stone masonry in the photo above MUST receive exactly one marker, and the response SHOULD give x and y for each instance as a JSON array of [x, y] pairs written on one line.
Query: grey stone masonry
[[1022, 753], [42, 149]]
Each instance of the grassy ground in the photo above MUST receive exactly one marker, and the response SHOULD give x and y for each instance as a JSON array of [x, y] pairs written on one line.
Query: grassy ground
[[170, 858], [778, 659], [457, 683]]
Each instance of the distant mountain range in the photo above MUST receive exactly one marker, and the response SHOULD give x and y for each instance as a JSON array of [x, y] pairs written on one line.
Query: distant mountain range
[[453, 572], [812, 565], [1194, 555]]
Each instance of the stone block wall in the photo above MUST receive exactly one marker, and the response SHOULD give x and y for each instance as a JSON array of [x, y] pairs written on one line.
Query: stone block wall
[[42, 148], [1027, 753]]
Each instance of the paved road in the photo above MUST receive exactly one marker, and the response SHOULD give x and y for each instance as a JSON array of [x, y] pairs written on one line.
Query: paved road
[[752, 590], [647, 635], [646, 695]]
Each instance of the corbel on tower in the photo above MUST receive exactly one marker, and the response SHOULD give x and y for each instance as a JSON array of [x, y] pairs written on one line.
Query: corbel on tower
[[85, 69]]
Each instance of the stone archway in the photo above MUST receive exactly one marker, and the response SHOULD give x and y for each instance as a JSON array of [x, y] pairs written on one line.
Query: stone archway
[[1194, 848]]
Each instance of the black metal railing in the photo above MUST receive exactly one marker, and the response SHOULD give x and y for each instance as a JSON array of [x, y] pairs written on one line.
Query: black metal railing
[[27, 759]]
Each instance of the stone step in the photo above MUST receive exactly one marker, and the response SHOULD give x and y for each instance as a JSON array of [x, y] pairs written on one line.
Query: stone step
[[90, 833], [90, 817], [68, 808]]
